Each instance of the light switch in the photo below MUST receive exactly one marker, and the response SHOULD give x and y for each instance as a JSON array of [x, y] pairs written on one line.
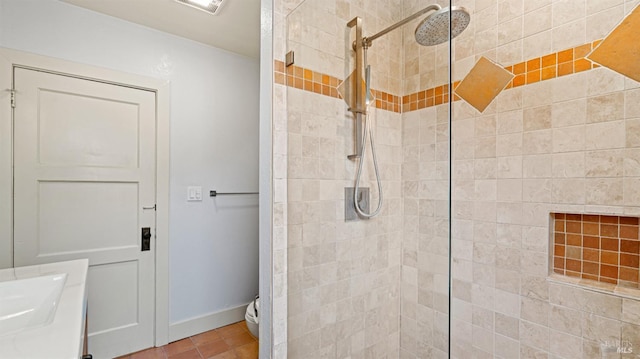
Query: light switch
[[194, 193]]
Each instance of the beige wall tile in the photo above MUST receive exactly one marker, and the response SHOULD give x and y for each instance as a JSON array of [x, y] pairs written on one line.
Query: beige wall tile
[[535, 4], [510, 30], [565, 11], [563, 319], [603, 81], [536, 190], [605, 108], [569, 87], [537, 142], [565, 345], [537, 94], [569, 34], [604, 191], [537, 166], [606, 163], [571, 164], [537, 20], [600, 329], [632, 133], [630, 310], [508, 53], [602, 304], [569, 113], [601, 23], [606, 135], [537, 45], [509, 122], [506, 347], [570, 191], [534, 335], [594, 6], [537, 118]]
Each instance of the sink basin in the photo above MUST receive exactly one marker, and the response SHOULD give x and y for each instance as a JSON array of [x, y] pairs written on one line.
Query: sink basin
[[30, 302], [42, 310]]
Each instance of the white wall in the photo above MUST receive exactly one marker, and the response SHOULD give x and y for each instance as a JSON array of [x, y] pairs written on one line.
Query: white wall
[[213, 244]]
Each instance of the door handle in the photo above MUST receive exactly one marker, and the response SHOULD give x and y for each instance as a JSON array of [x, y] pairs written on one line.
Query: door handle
[[146, 239]]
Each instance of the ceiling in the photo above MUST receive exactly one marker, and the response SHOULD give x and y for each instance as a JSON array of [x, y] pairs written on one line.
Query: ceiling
[[235, 28]]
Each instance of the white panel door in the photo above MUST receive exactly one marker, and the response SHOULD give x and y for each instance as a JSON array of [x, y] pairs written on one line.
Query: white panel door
[[84, 158]]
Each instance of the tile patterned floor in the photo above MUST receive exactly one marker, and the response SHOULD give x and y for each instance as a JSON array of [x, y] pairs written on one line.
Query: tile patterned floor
[[231, 342]]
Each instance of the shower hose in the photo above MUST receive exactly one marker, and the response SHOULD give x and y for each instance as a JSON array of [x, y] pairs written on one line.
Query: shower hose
[[363, 149]]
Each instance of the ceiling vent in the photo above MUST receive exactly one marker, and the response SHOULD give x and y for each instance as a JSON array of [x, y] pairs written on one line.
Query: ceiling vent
[[210, 6]]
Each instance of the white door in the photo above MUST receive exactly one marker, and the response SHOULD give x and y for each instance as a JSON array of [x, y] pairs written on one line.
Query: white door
[[84, 168]]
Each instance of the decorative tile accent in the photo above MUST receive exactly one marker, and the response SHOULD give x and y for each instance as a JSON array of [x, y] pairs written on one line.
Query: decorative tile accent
[[347, 89], [599, 248], [557, 64], [620, 50], [485, 81], [322, 84]]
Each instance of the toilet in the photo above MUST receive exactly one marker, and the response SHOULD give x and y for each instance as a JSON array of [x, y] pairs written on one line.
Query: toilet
[[251, 316]]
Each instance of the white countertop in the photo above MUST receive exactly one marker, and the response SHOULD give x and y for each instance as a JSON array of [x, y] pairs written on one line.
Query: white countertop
[[63, 338]]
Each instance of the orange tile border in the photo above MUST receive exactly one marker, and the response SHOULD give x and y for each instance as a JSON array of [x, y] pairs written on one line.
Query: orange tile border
[[557, 64], [546, 67], [326, 85]]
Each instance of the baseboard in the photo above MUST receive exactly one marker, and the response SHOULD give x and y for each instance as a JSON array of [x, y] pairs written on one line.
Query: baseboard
[[197, 325]]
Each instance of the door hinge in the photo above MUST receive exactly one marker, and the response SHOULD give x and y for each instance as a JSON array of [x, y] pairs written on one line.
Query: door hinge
[[13, 98]]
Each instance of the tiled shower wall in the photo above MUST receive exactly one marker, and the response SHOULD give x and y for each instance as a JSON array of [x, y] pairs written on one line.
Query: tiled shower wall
[[342, 278], [425, 176], [567, 145]]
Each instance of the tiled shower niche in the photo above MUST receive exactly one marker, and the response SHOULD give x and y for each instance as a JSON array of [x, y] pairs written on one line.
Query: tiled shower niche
[[596, 247]]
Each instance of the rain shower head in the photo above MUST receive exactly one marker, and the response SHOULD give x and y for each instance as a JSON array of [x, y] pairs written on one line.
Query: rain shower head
[[434, 29]]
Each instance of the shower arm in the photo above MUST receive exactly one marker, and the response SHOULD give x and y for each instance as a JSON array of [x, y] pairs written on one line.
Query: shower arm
[[366, 41]]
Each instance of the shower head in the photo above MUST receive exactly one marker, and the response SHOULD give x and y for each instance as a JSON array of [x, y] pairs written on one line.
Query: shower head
[[434, 29]]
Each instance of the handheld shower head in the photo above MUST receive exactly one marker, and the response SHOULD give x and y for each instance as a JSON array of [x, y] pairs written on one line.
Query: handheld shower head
[[434, 29]]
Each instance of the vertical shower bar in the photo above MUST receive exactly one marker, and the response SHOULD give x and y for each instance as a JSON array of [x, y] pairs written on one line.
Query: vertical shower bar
[[357, 92]]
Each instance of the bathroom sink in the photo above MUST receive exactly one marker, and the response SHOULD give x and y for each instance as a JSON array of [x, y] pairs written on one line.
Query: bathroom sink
[[42, 310], [30, 302]]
